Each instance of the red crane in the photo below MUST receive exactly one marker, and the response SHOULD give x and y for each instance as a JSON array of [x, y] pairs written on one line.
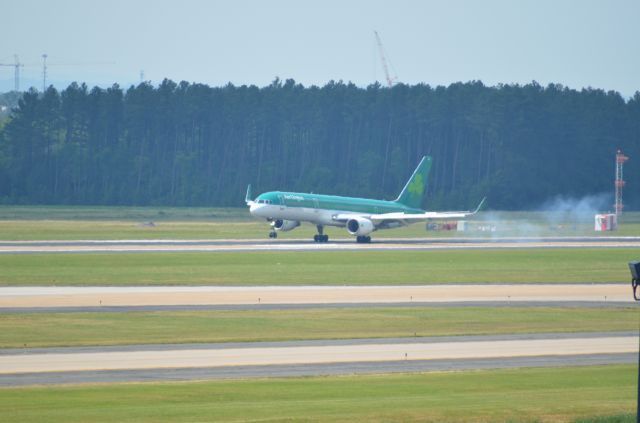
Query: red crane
[[390, 79]]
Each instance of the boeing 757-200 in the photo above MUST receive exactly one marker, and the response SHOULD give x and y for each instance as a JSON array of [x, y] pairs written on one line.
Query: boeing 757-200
[[361, 216]]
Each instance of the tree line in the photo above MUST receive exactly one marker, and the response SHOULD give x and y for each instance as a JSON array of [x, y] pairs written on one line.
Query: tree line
[[189, 144]]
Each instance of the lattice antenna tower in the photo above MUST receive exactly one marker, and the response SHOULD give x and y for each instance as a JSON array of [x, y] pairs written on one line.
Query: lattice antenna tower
[[619, 182], [44, 73]]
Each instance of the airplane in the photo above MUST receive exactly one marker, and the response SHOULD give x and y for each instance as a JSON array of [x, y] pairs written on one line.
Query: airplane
[[360, 216]]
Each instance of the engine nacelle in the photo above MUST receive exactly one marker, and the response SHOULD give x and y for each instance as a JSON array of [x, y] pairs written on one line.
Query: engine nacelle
[[284, 225], [360, 226]]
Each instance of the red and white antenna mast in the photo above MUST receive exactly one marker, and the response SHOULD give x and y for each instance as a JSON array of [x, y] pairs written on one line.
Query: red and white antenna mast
[[619, 183], [390, 80]]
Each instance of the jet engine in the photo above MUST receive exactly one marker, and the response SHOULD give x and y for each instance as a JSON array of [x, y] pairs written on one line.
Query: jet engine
[[360, 226], [284, 225]]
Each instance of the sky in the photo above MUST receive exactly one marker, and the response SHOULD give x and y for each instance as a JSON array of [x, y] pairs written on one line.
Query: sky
[[582, 43]]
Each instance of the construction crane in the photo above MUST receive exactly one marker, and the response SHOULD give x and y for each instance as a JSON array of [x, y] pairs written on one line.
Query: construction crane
[[16, 75], [390, 79], [45, 66]]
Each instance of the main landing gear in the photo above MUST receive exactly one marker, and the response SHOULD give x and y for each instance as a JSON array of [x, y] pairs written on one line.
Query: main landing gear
[[273, 234], [320, 237], [363, 239]]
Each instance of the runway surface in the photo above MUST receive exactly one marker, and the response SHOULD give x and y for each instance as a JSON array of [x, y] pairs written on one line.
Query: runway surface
[[228, 245], [35, 297], [347, 356]]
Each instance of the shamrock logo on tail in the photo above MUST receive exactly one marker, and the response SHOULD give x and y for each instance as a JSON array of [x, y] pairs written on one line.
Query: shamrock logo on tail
[[417, 186]]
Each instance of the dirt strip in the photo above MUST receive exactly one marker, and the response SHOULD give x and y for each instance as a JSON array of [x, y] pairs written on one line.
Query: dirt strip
[[16, 297], [180, 358]]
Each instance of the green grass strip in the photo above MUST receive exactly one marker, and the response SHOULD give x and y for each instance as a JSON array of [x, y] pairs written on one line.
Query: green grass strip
[[113, 223], [83, 329], [516, 395], [220, 227], [131, 213], [320, 268]]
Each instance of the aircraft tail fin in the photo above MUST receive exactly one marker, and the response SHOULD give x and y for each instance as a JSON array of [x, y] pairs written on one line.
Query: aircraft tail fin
[[413, 191]]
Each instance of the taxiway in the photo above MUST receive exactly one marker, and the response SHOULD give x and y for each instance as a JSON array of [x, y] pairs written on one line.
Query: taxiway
[[57, 365], [137, 296]]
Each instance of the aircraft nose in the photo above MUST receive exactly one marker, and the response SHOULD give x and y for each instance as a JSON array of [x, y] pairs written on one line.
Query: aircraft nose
[[255, 208]]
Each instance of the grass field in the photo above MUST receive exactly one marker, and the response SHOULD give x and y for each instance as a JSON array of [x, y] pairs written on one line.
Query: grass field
[[80, 329], [524, 395], [112, 223], [319, 268], [132, 214]]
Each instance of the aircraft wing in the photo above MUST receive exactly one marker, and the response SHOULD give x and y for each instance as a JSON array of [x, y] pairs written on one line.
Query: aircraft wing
[[406, 218]]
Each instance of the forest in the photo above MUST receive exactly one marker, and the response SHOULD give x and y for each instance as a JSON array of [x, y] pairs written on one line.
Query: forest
[[189, 144]]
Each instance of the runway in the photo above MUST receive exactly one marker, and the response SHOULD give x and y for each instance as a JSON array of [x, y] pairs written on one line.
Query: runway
[[350, 356], [381, 244], [14, 298]]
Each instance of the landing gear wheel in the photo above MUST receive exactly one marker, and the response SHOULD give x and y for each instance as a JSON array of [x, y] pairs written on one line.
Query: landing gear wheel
[[273, 234], [363, 239], [320, 238]]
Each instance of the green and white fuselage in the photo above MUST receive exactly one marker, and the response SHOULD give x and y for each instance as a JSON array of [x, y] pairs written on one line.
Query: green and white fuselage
[[361, 216], [321, 209]]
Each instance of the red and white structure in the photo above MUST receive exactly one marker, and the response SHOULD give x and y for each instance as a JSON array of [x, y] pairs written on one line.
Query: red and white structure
[[606, 222], [619, 182]]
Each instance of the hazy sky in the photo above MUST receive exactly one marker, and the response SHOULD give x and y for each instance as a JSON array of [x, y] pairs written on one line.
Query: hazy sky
[[575, 43]]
